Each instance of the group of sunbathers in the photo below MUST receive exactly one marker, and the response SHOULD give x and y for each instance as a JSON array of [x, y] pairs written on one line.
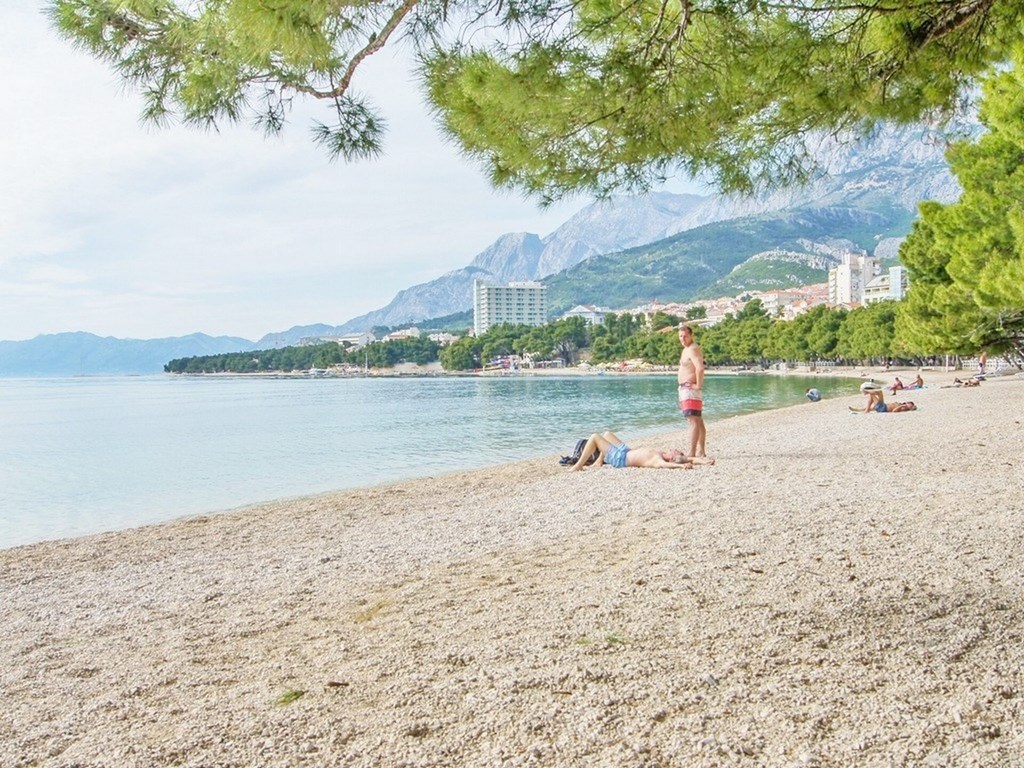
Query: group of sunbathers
[[610, 449], [917, 383]]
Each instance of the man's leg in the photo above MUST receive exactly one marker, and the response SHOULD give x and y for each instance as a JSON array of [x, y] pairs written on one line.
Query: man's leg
[[695, 425], [594, 443], [701, 451]]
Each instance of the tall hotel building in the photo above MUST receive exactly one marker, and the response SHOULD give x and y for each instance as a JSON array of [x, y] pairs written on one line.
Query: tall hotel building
[[515, 303], [847, 281]]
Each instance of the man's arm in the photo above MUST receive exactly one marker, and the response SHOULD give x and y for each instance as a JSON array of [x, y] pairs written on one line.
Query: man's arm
[[658, 462], [698, 366]]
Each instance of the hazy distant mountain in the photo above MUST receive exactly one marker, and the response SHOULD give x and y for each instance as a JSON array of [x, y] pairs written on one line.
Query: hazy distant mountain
[[611, 225], [69, 354], [888, 175], [510, 257], [294, 335]]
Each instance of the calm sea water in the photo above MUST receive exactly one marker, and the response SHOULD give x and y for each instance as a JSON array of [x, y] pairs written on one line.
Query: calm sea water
[[83, 455]]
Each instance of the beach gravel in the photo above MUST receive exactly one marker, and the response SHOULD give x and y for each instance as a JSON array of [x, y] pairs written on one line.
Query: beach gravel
[[840, 589]]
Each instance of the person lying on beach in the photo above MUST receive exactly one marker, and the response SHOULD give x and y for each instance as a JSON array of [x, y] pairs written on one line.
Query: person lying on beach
[[962, 383], [612, 451], [900, 407]]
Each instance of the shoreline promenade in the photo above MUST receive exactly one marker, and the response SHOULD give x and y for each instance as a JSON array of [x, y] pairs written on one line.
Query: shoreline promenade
[[838, 589]]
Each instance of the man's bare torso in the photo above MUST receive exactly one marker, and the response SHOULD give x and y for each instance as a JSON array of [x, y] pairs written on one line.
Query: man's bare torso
[[687, 373]]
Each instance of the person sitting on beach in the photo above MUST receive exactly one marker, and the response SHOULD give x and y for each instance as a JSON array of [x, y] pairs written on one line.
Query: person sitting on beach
[[877, 404], [876, 399], [897, 384], [917, 383], [612, 451], [813, 394]]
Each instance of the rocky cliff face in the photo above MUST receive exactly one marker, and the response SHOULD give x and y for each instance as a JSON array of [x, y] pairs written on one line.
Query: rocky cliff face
[[899, 167]]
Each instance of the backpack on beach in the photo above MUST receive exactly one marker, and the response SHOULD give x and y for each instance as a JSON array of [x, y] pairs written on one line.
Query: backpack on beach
[[576, 452]]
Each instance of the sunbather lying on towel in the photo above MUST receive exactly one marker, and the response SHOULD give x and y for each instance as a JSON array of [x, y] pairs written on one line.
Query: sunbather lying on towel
[[612, 451]]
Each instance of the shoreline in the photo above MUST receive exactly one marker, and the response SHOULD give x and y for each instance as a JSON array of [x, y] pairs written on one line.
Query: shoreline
[[30, 518], [433, 370], [838, 589]]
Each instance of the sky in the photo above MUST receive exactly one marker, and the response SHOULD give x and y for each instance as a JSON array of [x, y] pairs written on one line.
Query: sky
[[120, 229]]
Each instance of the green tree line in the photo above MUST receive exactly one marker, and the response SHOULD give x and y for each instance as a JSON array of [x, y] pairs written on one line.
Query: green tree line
[[378, 354], [864, 336]]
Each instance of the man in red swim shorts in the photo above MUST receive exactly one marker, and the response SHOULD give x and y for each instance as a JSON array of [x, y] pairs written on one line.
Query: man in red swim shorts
[[691, 384]]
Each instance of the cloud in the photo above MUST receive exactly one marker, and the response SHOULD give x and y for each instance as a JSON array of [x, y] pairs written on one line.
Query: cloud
[[170, 231]]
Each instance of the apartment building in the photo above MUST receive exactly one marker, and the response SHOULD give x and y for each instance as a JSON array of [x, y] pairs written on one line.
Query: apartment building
[[516, 303], [889, 286], [847, 281]]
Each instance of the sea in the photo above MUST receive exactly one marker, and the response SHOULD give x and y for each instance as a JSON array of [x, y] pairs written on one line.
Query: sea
[[81, 455]]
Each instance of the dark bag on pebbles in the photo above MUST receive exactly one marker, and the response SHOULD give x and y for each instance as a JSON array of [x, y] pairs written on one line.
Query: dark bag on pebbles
[[570, 460]]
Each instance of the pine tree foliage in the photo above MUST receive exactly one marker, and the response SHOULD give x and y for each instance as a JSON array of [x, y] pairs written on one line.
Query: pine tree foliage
[[966, 260], [554, 96]]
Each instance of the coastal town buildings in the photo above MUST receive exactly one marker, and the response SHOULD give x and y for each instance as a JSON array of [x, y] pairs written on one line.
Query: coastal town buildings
[[524, 303], [784, 304], [848, 279], [892, 285], [792, 302]]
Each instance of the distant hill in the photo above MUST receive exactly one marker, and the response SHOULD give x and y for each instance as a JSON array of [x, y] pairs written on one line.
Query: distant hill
[[70, 354]]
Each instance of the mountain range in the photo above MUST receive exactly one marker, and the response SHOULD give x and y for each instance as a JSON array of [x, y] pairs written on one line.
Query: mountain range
[[618, 253], [880, 180]]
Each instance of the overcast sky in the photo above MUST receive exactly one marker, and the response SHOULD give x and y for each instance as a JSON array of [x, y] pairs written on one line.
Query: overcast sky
[[119, 229]]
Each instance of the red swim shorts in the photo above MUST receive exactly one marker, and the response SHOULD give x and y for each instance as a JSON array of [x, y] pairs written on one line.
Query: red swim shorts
[[691, 400]]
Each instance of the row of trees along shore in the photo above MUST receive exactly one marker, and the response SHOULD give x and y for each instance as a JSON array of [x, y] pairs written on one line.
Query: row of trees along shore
[[863, 336]]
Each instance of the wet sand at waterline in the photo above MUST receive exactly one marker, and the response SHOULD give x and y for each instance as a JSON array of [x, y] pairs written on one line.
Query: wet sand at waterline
[[839, 589]]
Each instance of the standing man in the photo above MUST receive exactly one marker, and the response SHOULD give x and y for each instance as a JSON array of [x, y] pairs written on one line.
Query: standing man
[[691, 384]]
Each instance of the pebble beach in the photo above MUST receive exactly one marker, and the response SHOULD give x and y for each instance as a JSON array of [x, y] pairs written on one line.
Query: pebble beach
[[839, 589]]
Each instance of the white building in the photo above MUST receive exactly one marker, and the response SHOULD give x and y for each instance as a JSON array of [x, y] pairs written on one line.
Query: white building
[[847, 281], [404, 333], [593, 315], [515, 303], [891, 286], [352, 341], [443, 338]]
